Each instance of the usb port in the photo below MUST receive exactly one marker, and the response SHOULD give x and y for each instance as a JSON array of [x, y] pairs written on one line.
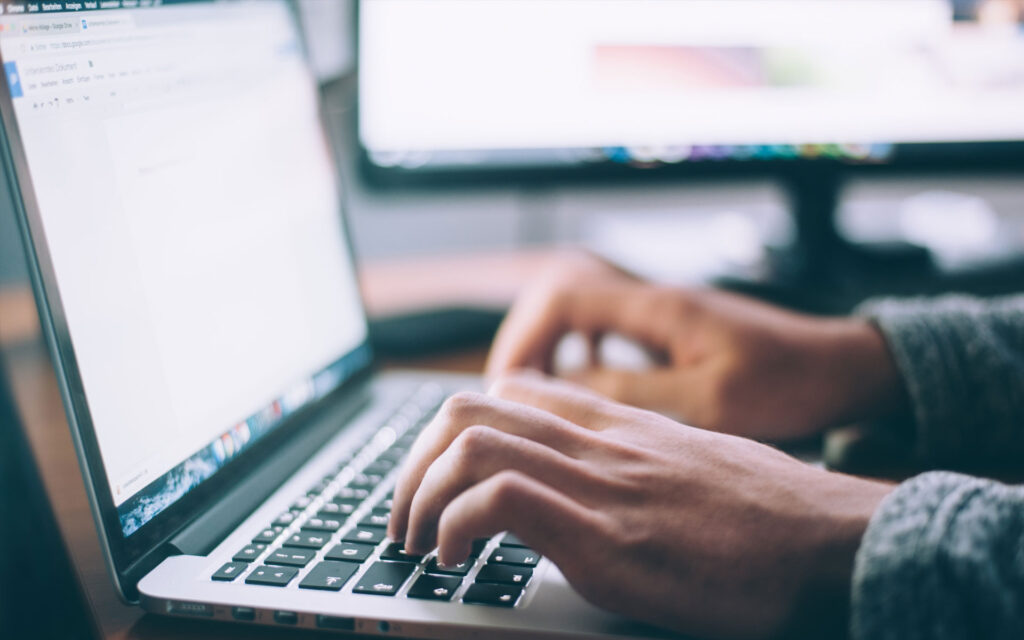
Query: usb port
[[334, 622], [246, 614]]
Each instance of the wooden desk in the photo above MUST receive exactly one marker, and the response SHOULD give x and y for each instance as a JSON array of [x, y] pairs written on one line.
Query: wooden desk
[[492, 280]]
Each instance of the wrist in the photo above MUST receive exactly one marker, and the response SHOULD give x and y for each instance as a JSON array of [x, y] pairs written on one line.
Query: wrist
[[847, 505], [867, 384]]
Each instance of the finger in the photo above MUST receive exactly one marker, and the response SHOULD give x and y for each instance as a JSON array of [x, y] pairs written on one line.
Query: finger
[[547, 520], [468, 409], [477, 454], [593, 339], [568, 400], [658, 389], [531, 331]]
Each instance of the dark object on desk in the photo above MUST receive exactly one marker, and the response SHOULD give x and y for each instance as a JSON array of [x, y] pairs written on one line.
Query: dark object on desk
[[39, 595], [433, 331]]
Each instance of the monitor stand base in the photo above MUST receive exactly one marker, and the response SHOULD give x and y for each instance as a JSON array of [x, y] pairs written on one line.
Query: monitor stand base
[[824, 272]]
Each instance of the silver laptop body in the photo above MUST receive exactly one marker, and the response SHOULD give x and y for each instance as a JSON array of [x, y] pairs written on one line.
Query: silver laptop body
[[181, 211]]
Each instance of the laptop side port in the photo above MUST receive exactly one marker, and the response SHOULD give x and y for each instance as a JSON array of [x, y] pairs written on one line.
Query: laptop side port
[[245, 614], [190, 609], [334, 622]]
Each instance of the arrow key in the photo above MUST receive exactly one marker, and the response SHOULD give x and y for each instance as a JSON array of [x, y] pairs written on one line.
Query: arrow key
[[435, 587], [384, 578], [230, 571], [272, 576], [329, 576], [291, 557]]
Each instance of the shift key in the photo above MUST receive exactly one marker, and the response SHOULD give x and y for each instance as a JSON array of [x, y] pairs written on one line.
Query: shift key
[[384, 578]]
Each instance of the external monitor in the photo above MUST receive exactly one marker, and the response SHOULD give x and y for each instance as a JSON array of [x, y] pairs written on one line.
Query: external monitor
[[691, 85]]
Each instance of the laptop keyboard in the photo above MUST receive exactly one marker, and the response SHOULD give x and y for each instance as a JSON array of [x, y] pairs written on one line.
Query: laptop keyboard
[[336, 531]]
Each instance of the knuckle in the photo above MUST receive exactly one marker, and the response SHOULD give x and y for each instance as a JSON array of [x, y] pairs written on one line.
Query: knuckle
[[462, 406], [505, 385], [473, 443], [507, 487], [554, 293]]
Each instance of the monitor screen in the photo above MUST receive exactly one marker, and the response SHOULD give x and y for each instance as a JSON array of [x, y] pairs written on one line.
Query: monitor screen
[[191, 213], [569, 82]]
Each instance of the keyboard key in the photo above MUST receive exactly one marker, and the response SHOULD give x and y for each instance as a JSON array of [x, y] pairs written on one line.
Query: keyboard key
[[350, 552], [364, 481], [504, 574], [291, 557], [379, 467], [376, 520], [364, 535], [329, 576], [460, 569], [393, 454], [511, 540], [321, 524], [268, 535], [331, 510], [434, 587], [478, 547], [285, 519], [516, 556], [386, 504], [342, 506], [496, 595], [302, 503], [272, 576], [249, 552], [347, 493], [384, 578], [230, 571], [396, 551], [307, 540]]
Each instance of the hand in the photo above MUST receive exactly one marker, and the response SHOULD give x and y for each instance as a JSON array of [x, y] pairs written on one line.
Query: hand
[[727, 363], [700, 532]]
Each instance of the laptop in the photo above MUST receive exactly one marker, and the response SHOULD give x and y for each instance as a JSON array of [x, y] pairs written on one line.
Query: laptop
[[181, 209]]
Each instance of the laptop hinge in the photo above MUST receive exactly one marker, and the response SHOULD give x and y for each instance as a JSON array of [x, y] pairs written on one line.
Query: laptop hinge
[[206, 531]]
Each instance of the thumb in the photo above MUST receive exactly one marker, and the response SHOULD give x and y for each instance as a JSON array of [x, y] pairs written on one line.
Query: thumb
[[655, 389]]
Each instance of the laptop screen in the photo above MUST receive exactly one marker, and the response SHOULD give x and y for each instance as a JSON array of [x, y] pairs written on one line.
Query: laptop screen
[[191, 212]]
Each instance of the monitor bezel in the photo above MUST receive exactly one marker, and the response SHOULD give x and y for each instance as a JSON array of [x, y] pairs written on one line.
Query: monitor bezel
[[130, 557], [906, 158]]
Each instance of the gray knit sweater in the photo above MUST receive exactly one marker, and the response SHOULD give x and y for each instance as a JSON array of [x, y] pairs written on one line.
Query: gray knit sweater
[[943, 556]]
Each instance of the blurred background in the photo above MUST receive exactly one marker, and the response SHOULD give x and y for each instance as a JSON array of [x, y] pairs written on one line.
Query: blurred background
[[815, 153], [680, 138]]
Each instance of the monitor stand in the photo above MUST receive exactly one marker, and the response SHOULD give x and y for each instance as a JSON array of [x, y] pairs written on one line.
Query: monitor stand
[[823, 271]]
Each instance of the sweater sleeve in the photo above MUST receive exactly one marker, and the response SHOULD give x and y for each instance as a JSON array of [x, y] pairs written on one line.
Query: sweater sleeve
[[942, 558], [962, 361]]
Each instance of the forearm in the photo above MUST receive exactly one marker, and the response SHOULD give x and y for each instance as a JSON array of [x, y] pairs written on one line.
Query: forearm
[[943, 557], [962, 364]]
